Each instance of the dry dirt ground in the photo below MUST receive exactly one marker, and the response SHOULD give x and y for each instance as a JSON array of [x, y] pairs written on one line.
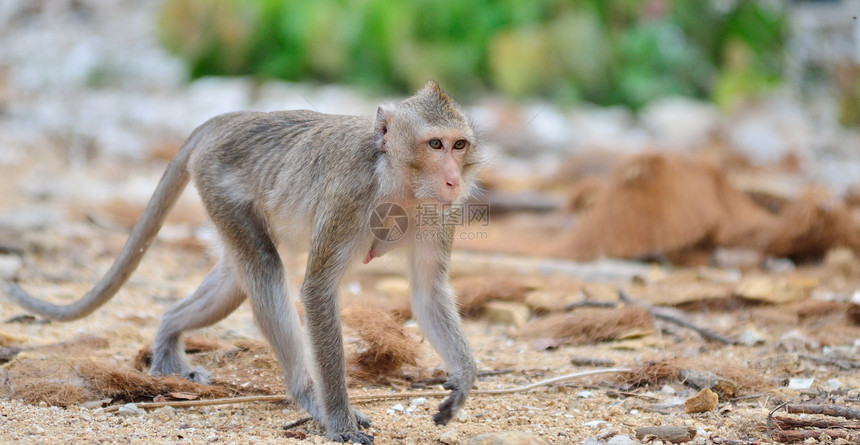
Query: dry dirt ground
[[801, 318]]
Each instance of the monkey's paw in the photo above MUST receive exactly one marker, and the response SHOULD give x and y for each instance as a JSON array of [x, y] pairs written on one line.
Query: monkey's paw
[[361, 419], [351, 437], [452, 404]]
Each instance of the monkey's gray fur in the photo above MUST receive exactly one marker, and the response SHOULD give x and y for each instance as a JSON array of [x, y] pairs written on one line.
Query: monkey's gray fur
[[293, 176]]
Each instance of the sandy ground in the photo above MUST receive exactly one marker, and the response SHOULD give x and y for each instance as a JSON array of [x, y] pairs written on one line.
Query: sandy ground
[[62, 260]]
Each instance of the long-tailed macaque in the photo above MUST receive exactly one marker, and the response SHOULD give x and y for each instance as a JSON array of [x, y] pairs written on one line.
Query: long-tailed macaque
[[283, 177]]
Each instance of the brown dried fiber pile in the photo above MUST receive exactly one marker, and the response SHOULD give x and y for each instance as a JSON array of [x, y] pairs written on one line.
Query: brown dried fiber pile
[[656, 203], [590, 325], [669, 370], [813, 224], [64, 383], [389, 346]]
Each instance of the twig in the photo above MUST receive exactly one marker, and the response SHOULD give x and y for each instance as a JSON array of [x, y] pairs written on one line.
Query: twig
[[377, 397], [769, 423], [662, 314], [842, 364], [828, 410], [790, 436], [792, 422]]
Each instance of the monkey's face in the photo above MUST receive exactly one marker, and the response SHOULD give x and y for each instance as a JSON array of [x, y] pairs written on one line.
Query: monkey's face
[[441, 155]]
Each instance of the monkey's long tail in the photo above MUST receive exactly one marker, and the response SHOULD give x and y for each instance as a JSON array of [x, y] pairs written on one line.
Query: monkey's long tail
[[169, 188]]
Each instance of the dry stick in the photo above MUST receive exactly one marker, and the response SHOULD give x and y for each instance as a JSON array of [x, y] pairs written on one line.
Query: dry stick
[[828, 410], [769, 422], [792, 422], [843, 364], [377, 397], [790, 436], [659, 314]]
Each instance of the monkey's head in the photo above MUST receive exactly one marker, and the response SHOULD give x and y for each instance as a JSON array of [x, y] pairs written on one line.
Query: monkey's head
[[431, 144]]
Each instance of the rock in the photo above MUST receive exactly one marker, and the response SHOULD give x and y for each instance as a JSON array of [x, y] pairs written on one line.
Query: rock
[[129, 410], [834, 384], [462, 415], [164, 413], [622, 440], [706, 400], [542, 302], [9, 266], [773, 290], [507, 438], [506, 312], [396, 409], [750, 337], [799, 383], [450, 437], [594, 424], [723, 387]]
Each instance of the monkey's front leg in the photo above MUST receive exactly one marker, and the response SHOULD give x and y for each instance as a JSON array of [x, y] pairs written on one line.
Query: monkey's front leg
[[434, 306], [327, 260]]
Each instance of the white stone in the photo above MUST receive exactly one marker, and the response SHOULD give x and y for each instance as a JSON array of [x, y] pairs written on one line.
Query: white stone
[[129, 410], [9, 266], [622, 440], [798, 383]]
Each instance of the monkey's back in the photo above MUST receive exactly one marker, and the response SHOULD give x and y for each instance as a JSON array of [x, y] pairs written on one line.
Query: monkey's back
[[302, 162]]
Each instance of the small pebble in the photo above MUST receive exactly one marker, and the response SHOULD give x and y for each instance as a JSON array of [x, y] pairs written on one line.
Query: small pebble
[[798, 383]]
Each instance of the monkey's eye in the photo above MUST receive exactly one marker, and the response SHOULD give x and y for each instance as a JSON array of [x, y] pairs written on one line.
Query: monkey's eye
[[435, 144], [459, 145]]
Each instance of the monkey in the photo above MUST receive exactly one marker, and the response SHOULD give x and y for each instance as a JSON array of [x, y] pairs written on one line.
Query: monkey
[[306, 178]]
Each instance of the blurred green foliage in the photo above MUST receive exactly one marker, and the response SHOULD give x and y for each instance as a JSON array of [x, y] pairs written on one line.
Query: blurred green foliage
[[604, 51]]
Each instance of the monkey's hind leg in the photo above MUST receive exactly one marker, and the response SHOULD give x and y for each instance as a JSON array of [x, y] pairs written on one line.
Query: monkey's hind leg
[[260, 273], [217, 297]]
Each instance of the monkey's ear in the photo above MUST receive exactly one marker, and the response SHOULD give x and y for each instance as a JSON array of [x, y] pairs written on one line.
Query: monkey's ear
[[380, 128]]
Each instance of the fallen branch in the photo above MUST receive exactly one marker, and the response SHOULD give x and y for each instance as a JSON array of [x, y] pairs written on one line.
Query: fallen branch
[[842, 364], [828, 410], [376, 397], [788, 436], [664, 315], [792, 422]]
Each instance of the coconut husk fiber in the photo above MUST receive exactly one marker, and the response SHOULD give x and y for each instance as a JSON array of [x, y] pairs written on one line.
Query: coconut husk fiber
[[389, 346], [655, 204], [590, 325], [811, 225], [669, 370], [64, 383]]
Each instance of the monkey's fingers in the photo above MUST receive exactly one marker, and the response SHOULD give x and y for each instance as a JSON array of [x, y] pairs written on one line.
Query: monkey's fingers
[[361, 419], [451, 405], [352, 437]]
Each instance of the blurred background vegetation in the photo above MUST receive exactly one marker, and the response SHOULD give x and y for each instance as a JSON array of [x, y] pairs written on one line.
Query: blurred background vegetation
[[619, 52]]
